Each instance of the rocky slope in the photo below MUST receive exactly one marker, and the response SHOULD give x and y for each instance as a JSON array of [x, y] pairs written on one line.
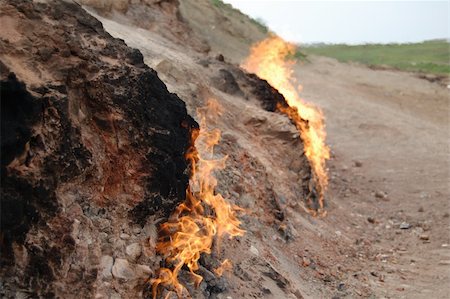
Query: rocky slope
[[93, 145], [225, 29], [92, 151], [358, 250], [266, 171]]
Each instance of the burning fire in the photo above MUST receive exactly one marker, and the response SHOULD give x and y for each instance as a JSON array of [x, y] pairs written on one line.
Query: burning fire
[[269, 59], [224, 266], [191, 230]]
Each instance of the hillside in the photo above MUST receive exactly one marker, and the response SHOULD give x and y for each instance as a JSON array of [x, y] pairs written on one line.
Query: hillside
[[146, 118], [429, 57], [225, 28], [358, 249]]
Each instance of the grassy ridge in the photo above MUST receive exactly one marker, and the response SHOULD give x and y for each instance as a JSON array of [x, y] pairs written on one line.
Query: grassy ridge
[[260, 23], [428, 57]]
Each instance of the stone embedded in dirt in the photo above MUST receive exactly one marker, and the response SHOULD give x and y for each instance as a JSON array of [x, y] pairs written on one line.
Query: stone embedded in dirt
[[133, 250], [214, 284], [256, 120], [122, 270], [405, 225], [266, 291], [220, 57], [106, 264], [425, 225], [124, 236], [380, 194], [327, 278], [424, 237], [371, 220], [204, 62], [247, 201], [420, 210], [287, 231], [234, 195], [143, 271], [306, 261], [45, 53], [357, 163], [253, 250], [298, 294], [279, 279], [149, 230], [226, 82], [136, 230], [167, 68], [424, 195], [242, 273]]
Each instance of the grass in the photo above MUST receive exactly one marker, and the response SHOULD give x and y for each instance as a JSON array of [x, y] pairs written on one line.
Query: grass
[[260, 23], [217, 3], [426, 57], [299, 56]]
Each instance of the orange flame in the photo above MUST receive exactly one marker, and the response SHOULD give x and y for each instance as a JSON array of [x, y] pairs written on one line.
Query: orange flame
[[224, 266], [191, 231], [269, 59]]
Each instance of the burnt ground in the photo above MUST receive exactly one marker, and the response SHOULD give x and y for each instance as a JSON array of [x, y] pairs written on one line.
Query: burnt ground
[[389, 169]]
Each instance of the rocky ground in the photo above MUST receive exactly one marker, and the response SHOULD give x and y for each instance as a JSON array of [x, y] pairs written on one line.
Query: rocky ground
[[386, 232], [389, 175]]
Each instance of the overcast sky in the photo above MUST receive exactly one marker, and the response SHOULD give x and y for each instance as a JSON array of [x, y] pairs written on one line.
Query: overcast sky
[[351, 21]]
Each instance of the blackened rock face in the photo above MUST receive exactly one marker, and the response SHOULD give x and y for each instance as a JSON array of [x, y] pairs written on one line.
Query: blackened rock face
[[269, 97], [19, 111], [92, 143], [251, 86]]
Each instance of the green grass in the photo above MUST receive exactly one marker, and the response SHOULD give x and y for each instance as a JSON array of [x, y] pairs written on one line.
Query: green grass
[[217, 3], [260, 23], [427, 57], [299, 56]]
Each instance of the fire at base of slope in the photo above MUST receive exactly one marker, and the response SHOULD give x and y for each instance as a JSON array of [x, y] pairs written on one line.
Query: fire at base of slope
[[203, 219], [269, 59]]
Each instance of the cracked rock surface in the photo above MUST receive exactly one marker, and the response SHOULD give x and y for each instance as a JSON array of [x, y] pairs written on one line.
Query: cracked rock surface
[[92, 153]]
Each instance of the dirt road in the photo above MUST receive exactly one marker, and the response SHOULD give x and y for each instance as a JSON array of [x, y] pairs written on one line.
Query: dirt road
[[389, 187]]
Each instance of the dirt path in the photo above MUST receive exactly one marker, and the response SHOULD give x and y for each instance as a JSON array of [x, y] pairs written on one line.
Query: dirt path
[[389, 135]]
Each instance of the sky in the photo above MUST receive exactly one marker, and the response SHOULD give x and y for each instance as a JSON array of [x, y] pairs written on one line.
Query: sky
[[352, 22]]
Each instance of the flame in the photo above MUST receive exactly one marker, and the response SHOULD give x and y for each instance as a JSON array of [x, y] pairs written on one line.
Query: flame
[[191, 230], [224, 266], [269, 59]]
